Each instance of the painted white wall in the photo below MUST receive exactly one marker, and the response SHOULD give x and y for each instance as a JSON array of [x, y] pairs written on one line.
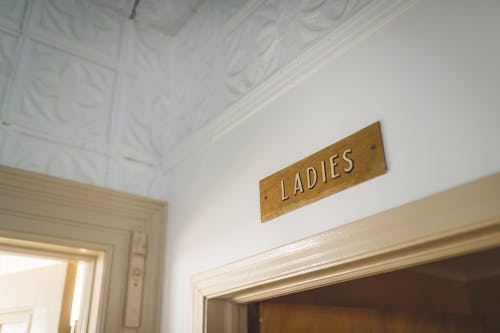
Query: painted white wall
[[431, 76], [40, 290], [88, 95]]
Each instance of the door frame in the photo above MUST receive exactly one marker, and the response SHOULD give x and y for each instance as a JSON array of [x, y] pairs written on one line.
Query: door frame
[[455, 222], [126, 233]]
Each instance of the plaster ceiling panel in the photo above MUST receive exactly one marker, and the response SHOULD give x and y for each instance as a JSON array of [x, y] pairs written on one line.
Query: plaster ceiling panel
[[167, 16]]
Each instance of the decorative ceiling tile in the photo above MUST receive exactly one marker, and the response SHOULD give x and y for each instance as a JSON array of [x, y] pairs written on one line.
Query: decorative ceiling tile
[[133, 177], [38, 155], [67, 96], [168, 16], [201, 31], [8, 46], [195, 97], [255, 49], [147, 124], [230, 7], [121, 7], [78, 22], [154, 92], [12, 13], [195, 92], [152, 56], [312, 19], [275, 33]]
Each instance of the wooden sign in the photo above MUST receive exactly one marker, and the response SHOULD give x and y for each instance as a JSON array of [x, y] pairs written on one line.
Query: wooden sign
[[344, 164]]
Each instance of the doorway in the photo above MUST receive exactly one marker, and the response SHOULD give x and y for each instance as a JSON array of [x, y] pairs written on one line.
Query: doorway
[[46, 288], [456, 295], [457, 222], [125, 235]]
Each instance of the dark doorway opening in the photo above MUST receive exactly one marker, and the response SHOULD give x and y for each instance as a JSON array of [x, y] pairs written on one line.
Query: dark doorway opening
[[456, 295]]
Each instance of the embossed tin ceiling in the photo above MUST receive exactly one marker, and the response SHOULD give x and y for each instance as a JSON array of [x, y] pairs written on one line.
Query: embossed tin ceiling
[[167, 16]]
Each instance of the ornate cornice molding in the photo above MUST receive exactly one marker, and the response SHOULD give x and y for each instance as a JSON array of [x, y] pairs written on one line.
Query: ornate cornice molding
[[333, 44]]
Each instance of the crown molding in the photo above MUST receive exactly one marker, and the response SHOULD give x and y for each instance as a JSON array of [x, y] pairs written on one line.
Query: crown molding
[[61, 192], [358, 27]]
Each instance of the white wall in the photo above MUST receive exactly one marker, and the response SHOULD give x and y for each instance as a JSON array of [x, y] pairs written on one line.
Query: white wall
[[431, 76], [40, 290], [90, 96]]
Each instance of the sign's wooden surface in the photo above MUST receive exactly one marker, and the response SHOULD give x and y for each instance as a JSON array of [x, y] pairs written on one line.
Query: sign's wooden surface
[[351, 161]]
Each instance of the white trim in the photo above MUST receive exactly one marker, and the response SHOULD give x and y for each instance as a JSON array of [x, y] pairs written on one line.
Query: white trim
[[356, 28], [44, 209], [199, 310], [455, 222]]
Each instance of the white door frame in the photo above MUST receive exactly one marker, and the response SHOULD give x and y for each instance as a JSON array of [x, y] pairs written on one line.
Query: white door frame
[[128, 230], [455, 222]]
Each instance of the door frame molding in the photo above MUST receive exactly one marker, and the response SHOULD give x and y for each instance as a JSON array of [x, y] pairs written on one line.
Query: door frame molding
[[128, 230], [451, 223]]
